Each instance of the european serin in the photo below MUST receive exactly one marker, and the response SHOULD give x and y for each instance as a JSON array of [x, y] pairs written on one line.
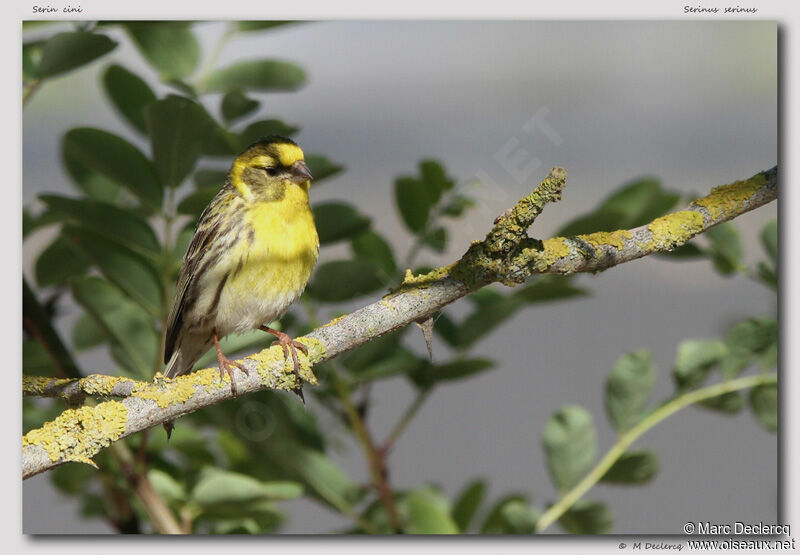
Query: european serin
[[251, 256]]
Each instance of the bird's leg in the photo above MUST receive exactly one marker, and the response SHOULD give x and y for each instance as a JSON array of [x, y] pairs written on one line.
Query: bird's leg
[[225, 364], [289, 346]]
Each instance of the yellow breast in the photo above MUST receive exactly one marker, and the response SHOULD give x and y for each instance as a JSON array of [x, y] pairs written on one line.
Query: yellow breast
[[282, 248]]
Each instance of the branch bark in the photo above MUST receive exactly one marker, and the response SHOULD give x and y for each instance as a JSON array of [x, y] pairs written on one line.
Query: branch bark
[[506, 255]]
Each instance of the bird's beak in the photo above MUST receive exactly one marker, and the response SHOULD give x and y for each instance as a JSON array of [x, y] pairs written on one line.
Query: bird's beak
[[299, 172]]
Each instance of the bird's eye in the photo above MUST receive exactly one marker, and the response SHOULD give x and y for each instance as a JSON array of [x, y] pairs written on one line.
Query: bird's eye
[[271, 171]]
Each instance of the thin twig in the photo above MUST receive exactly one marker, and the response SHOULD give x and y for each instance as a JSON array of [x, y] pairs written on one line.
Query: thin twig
[[626, 440]]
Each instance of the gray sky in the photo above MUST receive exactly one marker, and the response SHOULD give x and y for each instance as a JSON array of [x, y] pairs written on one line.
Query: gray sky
[[694, 104]]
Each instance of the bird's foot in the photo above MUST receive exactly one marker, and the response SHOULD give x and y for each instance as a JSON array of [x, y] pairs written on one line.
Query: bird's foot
[[290, 347], [225, 366]]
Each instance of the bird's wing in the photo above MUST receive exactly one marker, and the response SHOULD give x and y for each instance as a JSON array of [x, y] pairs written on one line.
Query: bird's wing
[[207, 229]]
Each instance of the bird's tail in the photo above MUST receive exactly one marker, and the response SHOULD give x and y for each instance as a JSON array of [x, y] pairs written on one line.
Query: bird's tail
[[177, 365]]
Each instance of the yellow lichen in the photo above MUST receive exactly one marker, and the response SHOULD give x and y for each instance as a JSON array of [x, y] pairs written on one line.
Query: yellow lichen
[[166, 392], [77, 434], [37, 385], [555, 248], [673, 230], [726, 199], [276, 369], [332, 322], [100, 385], [614, 239]]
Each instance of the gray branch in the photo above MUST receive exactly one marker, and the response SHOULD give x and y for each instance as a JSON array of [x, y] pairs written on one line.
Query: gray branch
[[506, 255]]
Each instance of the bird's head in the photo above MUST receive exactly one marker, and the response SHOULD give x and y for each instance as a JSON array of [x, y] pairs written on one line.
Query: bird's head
[[268, 166]]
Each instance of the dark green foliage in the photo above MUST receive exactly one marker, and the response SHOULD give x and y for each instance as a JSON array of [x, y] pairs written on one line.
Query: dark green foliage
[[67, 51], [341, 280], [633, 467], [177, 128], [726, 248], [236, 104], [338, 220], [633, 205], [260, 75], [115, 159], [764, 404], [628, 389], [466, 505], [587, 517], [129, 94], [570, 444], [169, 46]]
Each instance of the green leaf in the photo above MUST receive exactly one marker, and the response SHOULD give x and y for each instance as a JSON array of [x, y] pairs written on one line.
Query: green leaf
[[457, 206], [217, 486], [694, 361], [59, 263], [35, 360], [250, 26], [261, 75], [194, 203], [748, 340], [628, 388], [685, 251], [264, 128], [428, 512], [129, 271], [341, 280], [727, 403], [635, 204], [436, 239], [548, 289], [169, 46], [166, 486], [455, 370], [398, 362], [236, 104], [633, 467], [373, 351], [72, 479], [322, 475], [177, 127], [130, 326], [495, 521], [94, 184], [435, 180], [116, 159], [519, 518], [570, 443], [769, 238], [467, 504], [129, 94], [726, 248], [413, 202], [338, 220], [768, 275], [86, 333], [369, 245], [321, 168], [764, 404], [66, 51], [115, 223], [587, 517], [31, 56], [485, 319], [210, 178]]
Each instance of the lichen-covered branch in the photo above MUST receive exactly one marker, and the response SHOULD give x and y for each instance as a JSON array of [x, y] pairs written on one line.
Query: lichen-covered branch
[[507, 255]]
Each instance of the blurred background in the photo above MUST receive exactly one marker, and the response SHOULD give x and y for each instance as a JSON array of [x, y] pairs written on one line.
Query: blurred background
[[692, 104]]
